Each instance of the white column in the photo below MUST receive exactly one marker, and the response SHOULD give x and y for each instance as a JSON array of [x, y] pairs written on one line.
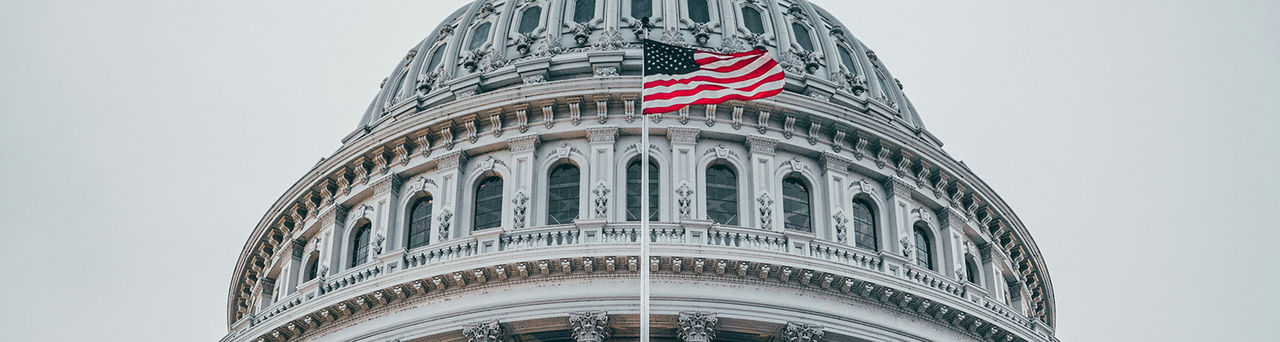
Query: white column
[[835, 176], [684, 178], [448, 167], [601, 142], [523, 170], [763, 201]]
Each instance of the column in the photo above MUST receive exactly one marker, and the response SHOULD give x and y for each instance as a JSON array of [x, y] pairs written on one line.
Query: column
[[386, 225], [292, 273], [766, 212], [898, 238], [448, 166], [951, 226], [522, 182], [600, 149], [684, 178], [835, 171]]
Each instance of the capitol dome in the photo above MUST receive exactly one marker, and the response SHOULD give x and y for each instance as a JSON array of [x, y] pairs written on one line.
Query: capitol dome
[[491, 193]]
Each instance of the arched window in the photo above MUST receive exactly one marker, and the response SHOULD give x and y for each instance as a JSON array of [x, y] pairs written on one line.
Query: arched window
[[420, 222], [722, 195], [435, 58], [864, 226], [795, 205], [846, 58], [488, 209], [584, 11], [802, 36], [698, 11], [924, 249], [529, 19], [971, 269], [360, 245], [884, 88], [633, 190], [312, 268], [641, 8], [751, 19], [562, 194], [479, 36]]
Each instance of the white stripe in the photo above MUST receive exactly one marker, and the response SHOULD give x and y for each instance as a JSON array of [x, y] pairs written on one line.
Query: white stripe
[[717, 74], [739, 84], [715, 94], [698, 54], [727, 62]]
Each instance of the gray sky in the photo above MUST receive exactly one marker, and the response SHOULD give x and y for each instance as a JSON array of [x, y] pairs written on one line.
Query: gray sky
[[141, 141]]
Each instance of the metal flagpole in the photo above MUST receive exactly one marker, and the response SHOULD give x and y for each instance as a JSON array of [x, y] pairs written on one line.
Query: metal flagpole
[[644, 211]]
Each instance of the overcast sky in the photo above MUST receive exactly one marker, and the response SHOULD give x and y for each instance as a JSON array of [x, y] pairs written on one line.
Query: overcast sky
[[141, 142]]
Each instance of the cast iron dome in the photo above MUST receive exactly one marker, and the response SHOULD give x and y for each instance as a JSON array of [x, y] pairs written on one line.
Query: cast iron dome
[[499, 160]]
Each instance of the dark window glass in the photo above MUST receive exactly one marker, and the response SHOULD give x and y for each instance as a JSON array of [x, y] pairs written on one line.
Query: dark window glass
[[633, 190], [698, 11], [751, 18], [562, 194], [971, 269], [584, 11], [420, 222], [846, 58], [530, 18], [795, 205], [360, 246], [641, 8], [924, 250], [722, 195], [435, 58], [802, 36], [864, 226], [488, 204], [479, 36], [313, 264]]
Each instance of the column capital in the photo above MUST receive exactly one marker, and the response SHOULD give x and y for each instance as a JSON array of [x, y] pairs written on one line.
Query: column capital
[[485, 331], [834, 162], [386, 184], [683, 135], [590, 326], [451, 160], [697, 326], [526, 143], [797, 331], [896, 188], [759, 144], [599, 134]]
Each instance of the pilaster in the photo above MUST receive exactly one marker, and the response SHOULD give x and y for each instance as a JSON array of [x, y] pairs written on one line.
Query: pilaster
[[761, 156], [951, 244], [683, 166], [602, 144], [898, 234], [835, 172], [523, 169], [448, 167]]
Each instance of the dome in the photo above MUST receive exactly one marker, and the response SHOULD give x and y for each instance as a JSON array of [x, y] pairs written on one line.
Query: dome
[[492, 193]]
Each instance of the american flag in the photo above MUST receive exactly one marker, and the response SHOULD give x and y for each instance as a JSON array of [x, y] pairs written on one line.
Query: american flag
[[675, 77]]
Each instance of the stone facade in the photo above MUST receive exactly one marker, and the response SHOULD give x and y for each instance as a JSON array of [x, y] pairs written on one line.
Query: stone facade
[[503, 103]]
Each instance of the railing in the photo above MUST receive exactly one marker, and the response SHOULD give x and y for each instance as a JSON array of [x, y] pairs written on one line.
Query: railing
[[628, 232]]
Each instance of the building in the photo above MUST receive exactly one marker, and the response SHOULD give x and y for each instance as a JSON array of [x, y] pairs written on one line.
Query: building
[[491, 193]]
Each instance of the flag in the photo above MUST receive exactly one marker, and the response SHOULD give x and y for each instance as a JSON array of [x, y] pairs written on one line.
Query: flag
[[675, 77]]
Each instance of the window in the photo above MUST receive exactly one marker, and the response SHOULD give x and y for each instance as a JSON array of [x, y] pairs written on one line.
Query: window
[[420, 222], [751, 19], [633, 190], [802, 36], [924, 249], [584, 11], [488, 209], [795, 205], [562, 194], [435, 58], [722, 195], [479, 36], [641, 8], [864, 226], [698, 11], [529, 19], [313, 265], [360, 245], [846, 58], [883, 88], [971, 269]]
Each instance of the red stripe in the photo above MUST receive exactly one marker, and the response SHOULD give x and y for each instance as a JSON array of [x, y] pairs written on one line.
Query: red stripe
[[705, 87], [718, 100], [753, 74], [728, 56]]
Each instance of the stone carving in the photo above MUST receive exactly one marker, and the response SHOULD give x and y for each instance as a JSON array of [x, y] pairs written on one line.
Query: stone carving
[[602, 199], [907, 247], [486, 331], [610, 39], [801, 60], [766, 210], [603, 72], [921, 213], [378, 241], [701, 31], [590, 326], [521, 202], [640, 27], [801, 332], [697, 326], [673, 37], [840, 224], [581, 31], [534, 79], [684, 199], [524, 41], [445, 216]]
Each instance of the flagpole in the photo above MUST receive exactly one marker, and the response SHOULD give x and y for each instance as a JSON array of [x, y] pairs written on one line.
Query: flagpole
[[644, 212]]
